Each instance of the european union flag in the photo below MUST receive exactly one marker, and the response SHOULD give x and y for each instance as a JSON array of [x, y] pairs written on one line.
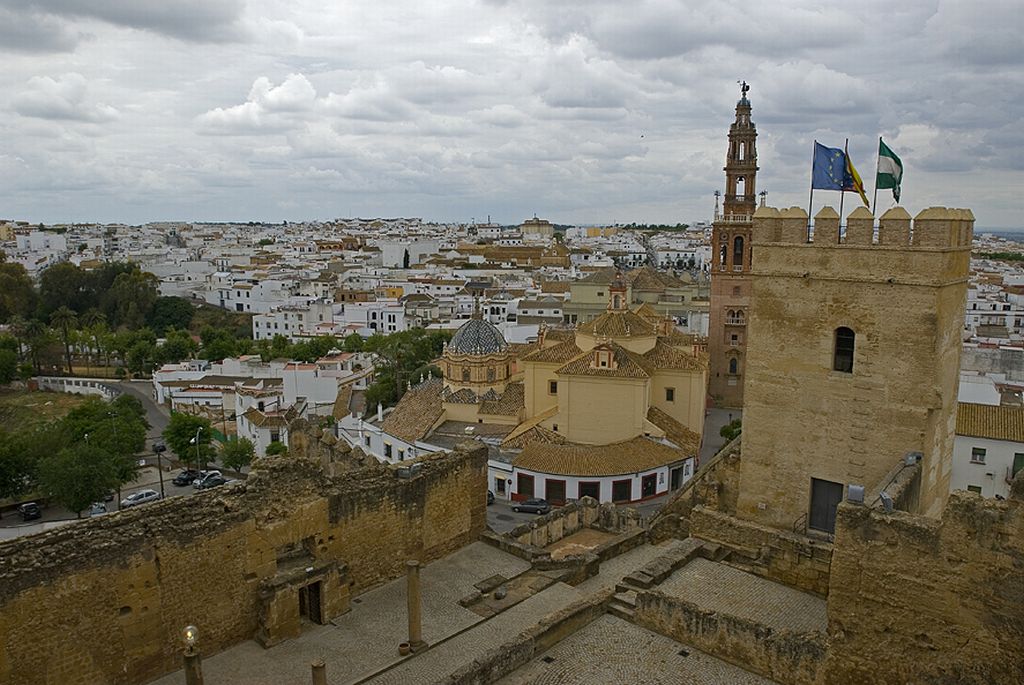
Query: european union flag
[[828, 172]]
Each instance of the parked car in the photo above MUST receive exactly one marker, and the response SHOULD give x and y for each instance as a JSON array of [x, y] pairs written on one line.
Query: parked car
[[186, 477], [30, 511], [140, 497], [212, 481], [97, 509], [532, 506], [205, 475], [109, 497], [490, 497]]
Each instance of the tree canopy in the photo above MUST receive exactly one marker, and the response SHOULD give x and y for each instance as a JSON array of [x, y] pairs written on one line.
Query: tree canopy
[[180, 434]]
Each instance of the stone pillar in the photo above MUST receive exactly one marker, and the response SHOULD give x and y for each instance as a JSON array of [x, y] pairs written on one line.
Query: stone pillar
[[193, 667], [319, 672], [413, 598]]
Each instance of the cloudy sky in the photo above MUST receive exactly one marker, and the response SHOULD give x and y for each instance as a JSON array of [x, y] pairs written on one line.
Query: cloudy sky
[[577, 110]]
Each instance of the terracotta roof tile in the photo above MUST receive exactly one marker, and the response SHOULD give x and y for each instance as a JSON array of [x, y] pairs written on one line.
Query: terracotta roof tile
[[512, 441], [511, 402], [627, 364], [684, 438], [573, 459], [618, 324], [417, 411], [557, 354], [664, 356], [990, 421]]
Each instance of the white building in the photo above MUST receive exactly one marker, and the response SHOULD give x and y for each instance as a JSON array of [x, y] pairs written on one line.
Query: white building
[[988, 450]]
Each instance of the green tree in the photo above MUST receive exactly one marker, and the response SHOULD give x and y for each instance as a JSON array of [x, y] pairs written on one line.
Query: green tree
[[354, 343], [398, 358], [178, 345], [65, 320], [78, 476], [180, 434], [171, 313], [405, 260], [8, 365], [237, 453], [64, 285], [731, 429], [17, 295], [17, 465], [276, 448], [217, 344], [130, 298]]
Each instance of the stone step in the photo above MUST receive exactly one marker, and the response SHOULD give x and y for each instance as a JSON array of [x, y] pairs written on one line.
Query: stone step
[[627, 598], [624, 586], [622, 612]]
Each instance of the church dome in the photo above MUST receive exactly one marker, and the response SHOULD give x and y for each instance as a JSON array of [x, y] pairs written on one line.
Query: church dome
[[477, 337]]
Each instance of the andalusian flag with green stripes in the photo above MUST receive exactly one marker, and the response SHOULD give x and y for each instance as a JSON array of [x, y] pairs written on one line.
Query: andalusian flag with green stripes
[[890, 170]]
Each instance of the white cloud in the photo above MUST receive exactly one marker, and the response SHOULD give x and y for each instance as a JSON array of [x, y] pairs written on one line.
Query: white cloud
[[583, 111], [65, 97]]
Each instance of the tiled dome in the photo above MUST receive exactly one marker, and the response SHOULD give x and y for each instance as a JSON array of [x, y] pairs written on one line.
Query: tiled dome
[[477, 337]]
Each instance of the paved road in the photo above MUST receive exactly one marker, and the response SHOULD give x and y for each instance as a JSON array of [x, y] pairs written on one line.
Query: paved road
[[12, 526]]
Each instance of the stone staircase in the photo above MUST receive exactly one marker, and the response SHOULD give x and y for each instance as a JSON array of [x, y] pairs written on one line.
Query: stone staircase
[[678, 553]]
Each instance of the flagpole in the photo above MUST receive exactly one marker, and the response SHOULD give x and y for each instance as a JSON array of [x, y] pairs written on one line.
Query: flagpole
[[842, 191], [810, 201], [878, 154]]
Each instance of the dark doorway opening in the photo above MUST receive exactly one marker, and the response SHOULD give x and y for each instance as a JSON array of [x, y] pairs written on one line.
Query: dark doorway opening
[[554, 491], [649, 485], [621, 490], [675, 478], [524, 487], [309, 603], [825, 497], [590, 489]]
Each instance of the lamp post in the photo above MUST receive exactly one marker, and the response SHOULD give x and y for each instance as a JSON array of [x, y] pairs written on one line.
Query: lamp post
[[193, 663], [195, 441], [158, 449]]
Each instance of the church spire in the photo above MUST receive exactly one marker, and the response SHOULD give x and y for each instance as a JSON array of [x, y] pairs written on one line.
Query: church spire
[[741, 162]]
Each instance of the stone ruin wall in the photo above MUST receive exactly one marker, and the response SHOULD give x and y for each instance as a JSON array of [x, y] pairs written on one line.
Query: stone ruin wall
[[105, 600], [921, 600]]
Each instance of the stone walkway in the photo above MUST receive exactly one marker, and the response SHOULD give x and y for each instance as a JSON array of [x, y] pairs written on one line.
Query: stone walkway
[[365, 640], [722, 588], [610, 650], [438, 662], [614, 569]]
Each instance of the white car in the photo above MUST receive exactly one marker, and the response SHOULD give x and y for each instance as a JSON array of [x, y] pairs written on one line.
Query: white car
[[198, 482], [140, 497]]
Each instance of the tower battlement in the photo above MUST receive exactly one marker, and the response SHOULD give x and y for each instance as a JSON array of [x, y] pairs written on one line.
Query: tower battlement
[[932, 228], [932, 248]]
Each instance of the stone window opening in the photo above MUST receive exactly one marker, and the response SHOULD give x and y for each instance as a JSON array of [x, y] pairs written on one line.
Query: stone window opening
[[842, 357], [670, 394], [737, 253], [465, 374], [734, 366], [978, 455], [490, 374], [552, 387]]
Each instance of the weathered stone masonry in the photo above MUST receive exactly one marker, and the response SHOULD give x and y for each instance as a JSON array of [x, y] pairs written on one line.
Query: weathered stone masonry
[[105, 600]]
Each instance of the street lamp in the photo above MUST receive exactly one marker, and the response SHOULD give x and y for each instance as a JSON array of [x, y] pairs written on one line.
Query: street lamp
[[195, 441], [193, 665]]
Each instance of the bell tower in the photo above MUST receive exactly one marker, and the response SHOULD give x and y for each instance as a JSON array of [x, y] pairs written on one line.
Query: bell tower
[[730, 261]]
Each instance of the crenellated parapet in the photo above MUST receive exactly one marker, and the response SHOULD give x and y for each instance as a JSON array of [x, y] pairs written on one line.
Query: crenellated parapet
[[934, 227], [933, 247]]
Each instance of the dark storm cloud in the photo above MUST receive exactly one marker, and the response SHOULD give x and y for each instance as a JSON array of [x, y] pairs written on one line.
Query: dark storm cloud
[[192, 20], [22, 31]]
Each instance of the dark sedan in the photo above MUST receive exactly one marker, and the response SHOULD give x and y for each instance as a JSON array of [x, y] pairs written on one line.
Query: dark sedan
[[30, 511], [186, 477], [532, 506]]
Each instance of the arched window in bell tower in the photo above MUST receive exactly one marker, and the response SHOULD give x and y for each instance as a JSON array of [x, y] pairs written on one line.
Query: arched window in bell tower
[[737, 252], [740, 186]]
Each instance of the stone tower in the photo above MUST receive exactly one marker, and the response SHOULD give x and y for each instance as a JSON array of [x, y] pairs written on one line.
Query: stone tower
[[853, 359], [730, 262]]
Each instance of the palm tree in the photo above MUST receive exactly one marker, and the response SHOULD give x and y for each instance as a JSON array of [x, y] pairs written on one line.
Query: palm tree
[[64, 319], [93, 323], [36, 334], [18, 324]]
